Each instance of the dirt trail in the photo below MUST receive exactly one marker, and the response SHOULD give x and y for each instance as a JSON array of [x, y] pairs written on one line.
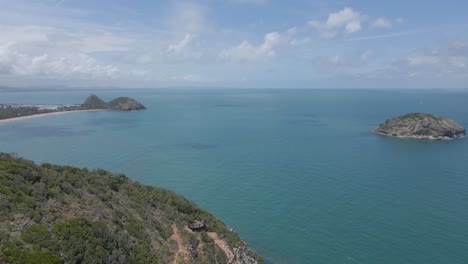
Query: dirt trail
[[223, 245], [182, 251]]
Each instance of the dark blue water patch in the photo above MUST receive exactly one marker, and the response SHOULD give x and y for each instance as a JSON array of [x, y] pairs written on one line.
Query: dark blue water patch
[[305, 119], [228, 105], [116, 121], [197, 146], [24, 131], [310, 122]]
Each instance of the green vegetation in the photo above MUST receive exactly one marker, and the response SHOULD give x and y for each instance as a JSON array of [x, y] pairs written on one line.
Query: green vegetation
[[94, 102], [419, 116], [9, 111], [62, 214]]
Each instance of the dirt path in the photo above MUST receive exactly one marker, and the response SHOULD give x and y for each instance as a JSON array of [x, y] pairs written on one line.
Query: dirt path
[[182, 251], [223, 245]]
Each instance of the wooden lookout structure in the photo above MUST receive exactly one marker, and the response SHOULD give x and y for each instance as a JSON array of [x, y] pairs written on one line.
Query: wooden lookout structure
[[197, 225]]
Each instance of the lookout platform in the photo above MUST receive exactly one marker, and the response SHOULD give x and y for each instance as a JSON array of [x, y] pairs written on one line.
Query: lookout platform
[[197, 225]]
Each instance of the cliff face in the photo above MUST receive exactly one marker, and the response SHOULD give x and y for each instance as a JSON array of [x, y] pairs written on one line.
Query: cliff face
[[62, 214], [420, 125], [118, 104]]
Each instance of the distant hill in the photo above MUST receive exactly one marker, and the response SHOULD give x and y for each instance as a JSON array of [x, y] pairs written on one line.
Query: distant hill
[[62, 214], [125, 104], [118, 104], [94, 102]]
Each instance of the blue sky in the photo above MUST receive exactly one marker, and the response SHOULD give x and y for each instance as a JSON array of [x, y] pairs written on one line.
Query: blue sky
[[234, 43]]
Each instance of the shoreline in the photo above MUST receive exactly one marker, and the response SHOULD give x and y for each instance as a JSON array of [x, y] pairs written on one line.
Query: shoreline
[[13, 119], [417, 137]]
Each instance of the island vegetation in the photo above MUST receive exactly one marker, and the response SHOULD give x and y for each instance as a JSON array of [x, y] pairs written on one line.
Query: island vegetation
[[421, 126], [62, 214], [93, 102]]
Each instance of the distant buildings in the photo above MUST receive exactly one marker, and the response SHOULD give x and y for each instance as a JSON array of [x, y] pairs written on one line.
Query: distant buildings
[[49, 107]]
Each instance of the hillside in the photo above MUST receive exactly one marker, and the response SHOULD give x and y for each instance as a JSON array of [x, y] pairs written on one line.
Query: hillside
[[94, 102], [62, 214], [125, 104]]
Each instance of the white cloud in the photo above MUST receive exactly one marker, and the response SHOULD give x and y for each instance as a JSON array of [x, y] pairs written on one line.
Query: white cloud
[[180, 52], [189, 18], [347, 17], [246, 52], [48, 37], [366, 55], [15, 62], [353, 26], [382, 23], [38, 52], [181, 46], [337, 60], [446, 63], [299, 42], [188, 78], [292, 31], [346, 20], [255, 2]]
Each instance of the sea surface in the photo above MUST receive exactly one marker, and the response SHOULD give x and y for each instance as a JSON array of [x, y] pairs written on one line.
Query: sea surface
[[297, 173]]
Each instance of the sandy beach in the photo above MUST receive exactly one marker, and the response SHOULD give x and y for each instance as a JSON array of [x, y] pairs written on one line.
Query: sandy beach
[[45, 114]]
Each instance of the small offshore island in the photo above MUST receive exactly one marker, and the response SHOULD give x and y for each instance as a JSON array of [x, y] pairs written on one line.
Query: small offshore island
[[421, 126], [60, 214], [92, 103]]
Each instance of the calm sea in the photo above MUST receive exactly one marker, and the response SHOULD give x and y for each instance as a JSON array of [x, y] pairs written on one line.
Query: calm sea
[[296, 173]]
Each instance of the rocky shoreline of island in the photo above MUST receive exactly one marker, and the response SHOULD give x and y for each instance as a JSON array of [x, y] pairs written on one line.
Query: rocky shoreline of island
[[416, 137]]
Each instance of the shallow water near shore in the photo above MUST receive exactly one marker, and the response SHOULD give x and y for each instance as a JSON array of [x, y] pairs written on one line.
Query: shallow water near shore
[[297, 173]]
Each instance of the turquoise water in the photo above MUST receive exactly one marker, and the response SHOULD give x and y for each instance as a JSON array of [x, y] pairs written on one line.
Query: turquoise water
[[295, 172]]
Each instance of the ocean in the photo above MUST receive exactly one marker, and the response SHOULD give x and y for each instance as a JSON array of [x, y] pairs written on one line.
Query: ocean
[[297, 173]]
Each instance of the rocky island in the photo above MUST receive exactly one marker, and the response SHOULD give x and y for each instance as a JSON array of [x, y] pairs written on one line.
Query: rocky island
[[61, 214], [421, 126], [119, 104], [92, 103]]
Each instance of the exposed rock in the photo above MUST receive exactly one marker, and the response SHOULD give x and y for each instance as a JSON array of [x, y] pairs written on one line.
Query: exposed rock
[[421, 126]]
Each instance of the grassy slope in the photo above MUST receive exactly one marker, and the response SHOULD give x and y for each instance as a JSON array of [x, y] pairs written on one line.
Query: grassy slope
[[52, 214]]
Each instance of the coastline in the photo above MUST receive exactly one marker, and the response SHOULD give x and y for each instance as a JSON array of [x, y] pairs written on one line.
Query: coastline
[[13, 119], [416, 137]]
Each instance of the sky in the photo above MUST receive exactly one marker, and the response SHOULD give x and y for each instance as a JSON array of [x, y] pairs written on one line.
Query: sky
[[234, 44]]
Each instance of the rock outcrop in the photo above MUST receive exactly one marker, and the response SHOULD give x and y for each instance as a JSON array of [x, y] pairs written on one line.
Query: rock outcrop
[[421, 126]]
